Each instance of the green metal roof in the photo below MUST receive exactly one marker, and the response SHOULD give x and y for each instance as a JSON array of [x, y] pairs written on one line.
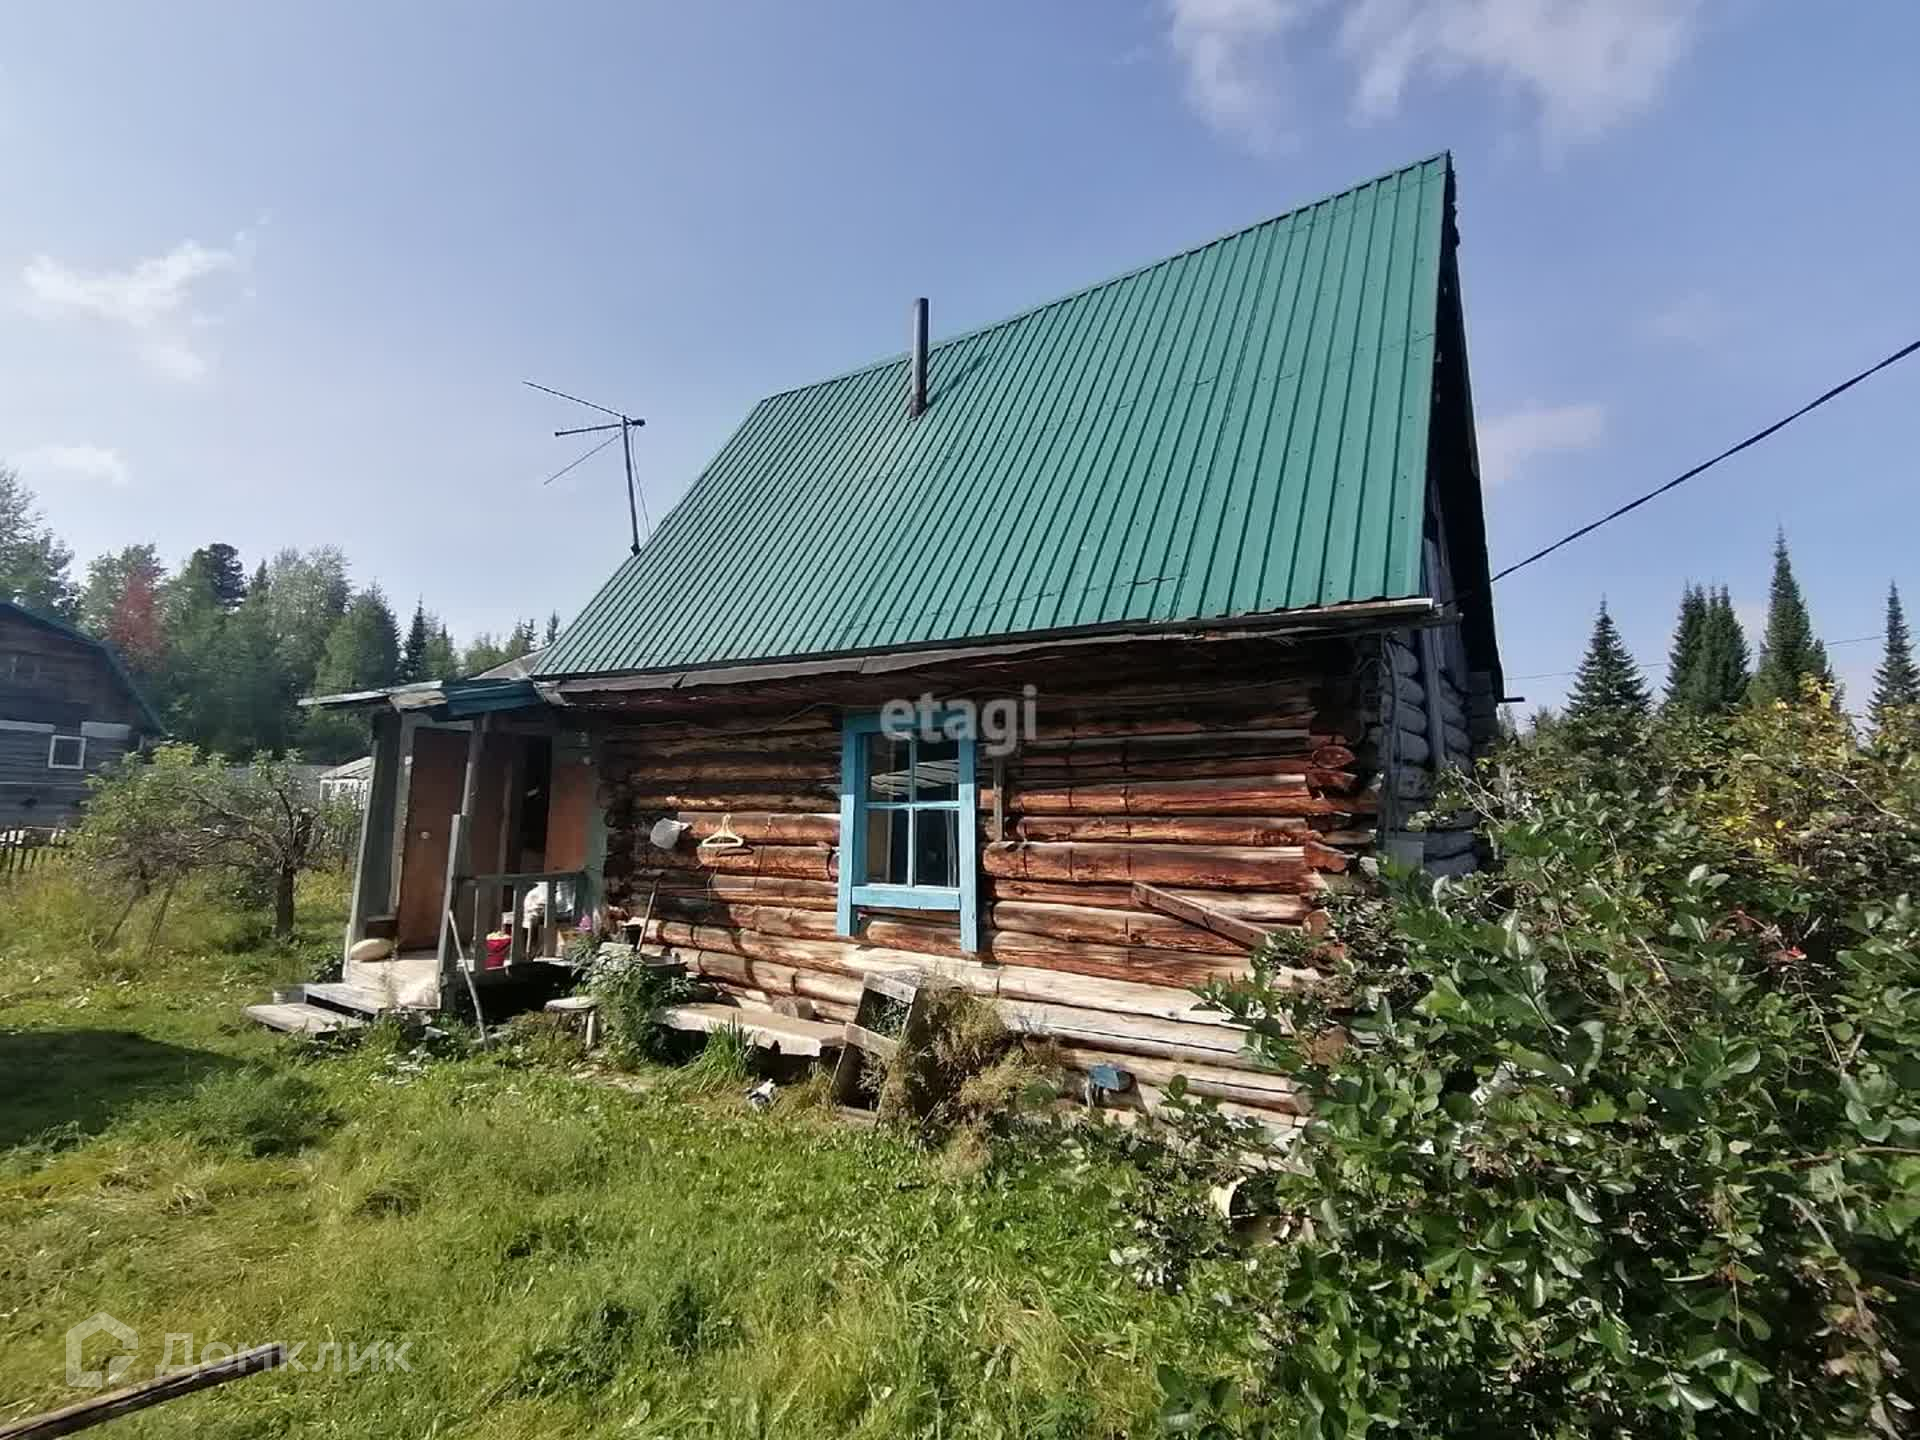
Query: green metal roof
[[1237, 430]]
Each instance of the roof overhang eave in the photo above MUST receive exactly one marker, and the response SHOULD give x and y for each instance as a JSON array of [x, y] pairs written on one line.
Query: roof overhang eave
[[1412, 612]]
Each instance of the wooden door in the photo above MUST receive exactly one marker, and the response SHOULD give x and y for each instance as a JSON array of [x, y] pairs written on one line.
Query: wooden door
[[433, 798]]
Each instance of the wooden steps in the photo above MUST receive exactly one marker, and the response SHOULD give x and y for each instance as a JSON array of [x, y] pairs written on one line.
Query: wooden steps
[[355, 998], [303, 1019], [783, 1034]]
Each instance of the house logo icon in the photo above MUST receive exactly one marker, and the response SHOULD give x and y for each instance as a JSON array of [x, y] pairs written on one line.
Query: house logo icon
[[116, 1366]]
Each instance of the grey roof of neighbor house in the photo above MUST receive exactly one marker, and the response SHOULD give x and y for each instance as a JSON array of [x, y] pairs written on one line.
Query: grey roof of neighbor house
[[1239, 430], [125, 676]]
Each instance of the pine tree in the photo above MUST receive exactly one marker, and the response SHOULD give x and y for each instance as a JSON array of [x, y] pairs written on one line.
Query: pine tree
[[1720, 674], [1688, 634], [413, 655], [217, 568], [1896, 684], [1608, 693], [443, 661], [1791, 654], [553, 629], [363, 651], [520, 639]]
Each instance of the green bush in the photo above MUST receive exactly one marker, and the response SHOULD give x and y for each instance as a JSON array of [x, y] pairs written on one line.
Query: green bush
[[631, 994], [1622, 1137]]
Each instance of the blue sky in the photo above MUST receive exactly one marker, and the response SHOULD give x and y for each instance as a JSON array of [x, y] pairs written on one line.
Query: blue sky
[[272, 275]]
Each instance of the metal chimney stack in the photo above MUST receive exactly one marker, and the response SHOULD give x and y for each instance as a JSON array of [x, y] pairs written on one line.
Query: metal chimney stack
[[917, 381]]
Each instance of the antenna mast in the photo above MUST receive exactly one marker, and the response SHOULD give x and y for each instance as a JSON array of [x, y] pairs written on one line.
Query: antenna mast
[[621, 422]]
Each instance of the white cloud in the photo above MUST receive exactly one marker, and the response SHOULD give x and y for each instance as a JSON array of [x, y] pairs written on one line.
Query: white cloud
[[1696, 318], [156, 301], [1588, 65], [1508, 442], [1230, 52], [89, 462]]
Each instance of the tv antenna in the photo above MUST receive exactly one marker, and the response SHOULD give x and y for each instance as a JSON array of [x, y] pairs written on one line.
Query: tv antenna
[[623, 423]]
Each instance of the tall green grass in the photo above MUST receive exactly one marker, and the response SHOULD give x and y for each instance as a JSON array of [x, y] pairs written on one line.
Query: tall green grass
[[565, 1258]]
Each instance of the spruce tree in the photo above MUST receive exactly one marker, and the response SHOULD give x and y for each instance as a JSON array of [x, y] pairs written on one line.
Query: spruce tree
[[1790, 654], [553, 629], [1896, 684], [1608, 693], [1720, 674], [413, 655], [1688, 635]]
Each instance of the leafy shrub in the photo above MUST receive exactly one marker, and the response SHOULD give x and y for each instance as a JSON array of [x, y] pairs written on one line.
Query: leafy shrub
[[1627, 1136], [631, 995]]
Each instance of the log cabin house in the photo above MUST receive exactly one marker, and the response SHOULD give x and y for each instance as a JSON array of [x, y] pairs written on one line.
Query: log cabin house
[[1184, 578], [68, 710]]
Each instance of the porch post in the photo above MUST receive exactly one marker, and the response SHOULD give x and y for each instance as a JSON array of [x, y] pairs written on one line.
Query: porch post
[[373, 862], [457, 839]]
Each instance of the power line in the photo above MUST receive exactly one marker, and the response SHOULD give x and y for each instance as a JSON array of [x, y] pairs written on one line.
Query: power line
[[1754, 439]]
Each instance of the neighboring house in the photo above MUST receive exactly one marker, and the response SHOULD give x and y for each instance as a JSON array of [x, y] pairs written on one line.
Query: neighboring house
[[68, 709], [1207, 537], [347, 784]]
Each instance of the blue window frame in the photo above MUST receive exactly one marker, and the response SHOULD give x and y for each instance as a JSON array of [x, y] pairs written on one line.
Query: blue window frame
[[909, 823]]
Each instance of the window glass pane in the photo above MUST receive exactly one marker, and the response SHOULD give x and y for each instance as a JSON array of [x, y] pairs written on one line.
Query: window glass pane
[[936, 770], [936, 836], [888, 760], [887, 847]]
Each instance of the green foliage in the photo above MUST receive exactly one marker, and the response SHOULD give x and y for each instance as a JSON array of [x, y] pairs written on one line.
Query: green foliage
[[1608, 693], [1896, 684], [34, 565], [151, 825], [1791, 656], [1627, 1139], [631, 994], [1708, 672]]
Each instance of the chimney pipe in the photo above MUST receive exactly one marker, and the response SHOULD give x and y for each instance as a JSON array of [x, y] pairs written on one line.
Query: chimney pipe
[[917, 382]]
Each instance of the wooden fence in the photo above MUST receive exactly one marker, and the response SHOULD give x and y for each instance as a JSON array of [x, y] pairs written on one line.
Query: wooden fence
[[23, 850]]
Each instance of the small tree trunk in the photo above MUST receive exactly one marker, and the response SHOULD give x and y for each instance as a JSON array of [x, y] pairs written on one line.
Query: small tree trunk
[[283, 902], [159, 918], [114, 934]]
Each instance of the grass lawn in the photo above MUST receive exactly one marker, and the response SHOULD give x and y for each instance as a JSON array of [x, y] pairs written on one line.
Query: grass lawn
[[562, 1258]]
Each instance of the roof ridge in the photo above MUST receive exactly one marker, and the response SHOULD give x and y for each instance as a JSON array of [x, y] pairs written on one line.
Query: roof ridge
[[900, 357]]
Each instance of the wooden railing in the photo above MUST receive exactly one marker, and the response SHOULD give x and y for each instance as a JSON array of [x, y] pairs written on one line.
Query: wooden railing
[[492, 895]]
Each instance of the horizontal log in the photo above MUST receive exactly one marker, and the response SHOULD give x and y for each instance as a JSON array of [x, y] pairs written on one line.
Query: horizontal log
[[740, 889], [1186, 742], [1204, 867], [1261, 690], [704, 746], [1105, 927], [1170, 829], [801, 797], [1263, 1090], [1117, 1000], [1125, 1034], [800, 862], [1042, 771], [1297, 723], [1269, 795], [821, 769], [793, 921], [764, 826], [1278, 907]]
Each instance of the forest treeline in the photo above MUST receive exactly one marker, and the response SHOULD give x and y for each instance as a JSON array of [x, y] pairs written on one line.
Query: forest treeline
[[224, 653]]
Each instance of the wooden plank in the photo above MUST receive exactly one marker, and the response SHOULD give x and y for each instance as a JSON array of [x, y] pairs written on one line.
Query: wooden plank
[[97, 1409], [1204, 867], [1205, 916], [302, 1019], [348, 997], [783, 1034]]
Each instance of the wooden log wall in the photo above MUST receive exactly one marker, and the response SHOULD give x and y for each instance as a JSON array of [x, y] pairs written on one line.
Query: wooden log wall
[[1252, 791]]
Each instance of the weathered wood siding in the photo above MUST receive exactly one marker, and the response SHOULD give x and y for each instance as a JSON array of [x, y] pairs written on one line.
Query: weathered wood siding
[[1251, 790]]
